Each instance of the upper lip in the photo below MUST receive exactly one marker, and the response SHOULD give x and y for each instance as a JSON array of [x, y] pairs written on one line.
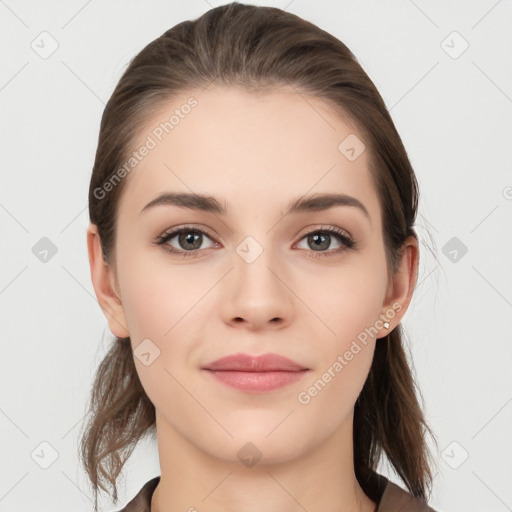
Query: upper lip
[[248, 363]]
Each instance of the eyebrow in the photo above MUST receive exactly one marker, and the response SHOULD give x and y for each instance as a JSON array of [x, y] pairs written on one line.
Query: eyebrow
[[312, 203]]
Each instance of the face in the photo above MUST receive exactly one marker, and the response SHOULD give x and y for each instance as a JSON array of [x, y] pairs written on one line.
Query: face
[[247, 276]]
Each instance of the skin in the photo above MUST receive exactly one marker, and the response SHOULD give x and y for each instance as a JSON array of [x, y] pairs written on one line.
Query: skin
[[255, 153]]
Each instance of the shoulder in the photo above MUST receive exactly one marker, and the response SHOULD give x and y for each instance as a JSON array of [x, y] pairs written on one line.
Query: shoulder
[[142, 500], [395, 498]]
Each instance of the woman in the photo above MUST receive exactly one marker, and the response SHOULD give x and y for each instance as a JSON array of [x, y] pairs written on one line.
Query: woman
[[252, 246]]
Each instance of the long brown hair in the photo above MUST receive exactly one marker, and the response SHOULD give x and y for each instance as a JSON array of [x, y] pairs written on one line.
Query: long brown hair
[[259, 48]]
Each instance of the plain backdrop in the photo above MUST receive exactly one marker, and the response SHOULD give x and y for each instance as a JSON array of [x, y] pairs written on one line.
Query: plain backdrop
[[444, 70]]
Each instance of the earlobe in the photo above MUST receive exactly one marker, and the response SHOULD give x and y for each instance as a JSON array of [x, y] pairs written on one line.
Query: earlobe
[[103, 280], [402, 285]]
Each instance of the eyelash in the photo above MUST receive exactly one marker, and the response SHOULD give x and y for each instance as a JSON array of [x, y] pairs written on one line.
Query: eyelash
[[348, 242]]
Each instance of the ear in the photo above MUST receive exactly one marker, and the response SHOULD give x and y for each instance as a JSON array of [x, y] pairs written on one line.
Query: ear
[[401, 286], [104, 282]]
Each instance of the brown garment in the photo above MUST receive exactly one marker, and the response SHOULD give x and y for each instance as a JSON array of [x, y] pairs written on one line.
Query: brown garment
[[393, 499]]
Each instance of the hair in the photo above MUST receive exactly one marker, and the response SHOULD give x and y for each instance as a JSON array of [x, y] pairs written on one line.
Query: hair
[[260, 49]]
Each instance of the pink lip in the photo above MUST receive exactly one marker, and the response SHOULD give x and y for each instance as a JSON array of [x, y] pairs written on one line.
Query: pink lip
[[248, 363], [256, 373]]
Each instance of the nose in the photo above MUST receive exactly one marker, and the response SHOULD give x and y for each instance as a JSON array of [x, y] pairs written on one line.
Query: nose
[[256, 293]]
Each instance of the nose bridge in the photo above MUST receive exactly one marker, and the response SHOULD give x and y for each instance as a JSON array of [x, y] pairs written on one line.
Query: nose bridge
[[257, 290], [256, 263]]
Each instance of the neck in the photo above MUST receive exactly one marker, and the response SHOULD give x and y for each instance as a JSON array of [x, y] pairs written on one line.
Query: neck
[[320, 479]]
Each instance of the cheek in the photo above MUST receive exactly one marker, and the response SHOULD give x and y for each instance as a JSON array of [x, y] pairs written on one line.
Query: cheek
[[333, 391], [155, 295], [344, 353], [346, 299], [162, 304]]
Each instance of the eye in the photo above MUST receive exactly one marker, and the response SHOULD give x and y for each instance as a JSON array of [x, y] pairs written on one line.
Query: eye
[[188, 239], [321, 239]]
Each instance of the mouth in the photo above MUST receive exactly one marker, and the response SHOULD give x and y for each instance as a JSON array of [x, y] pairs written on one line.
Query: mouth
[[256, 373]]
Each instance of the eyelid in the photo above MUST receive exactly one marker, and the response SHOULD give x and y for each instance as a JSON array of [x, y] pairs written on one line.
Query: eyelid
[[328, 228], [176, 230], [203, 230], [345, 239]]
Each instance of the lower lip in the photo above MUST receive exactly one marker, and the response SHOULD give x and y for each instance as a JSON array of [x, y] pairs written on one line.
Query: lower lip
[[257, 381]]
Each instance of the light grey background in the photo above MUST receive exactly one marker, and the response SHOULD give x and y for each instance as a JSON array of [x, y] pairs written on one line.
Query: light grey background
[[453, 111]]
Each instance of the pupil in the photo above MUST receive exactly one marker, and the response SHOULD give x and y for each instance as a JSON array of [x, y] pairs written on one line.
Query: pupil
[[188, 238], [318, 241]]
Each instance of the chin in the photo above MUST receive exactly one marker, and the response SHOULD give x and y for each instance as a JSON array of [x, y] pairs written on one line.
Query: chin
[[260, 443], [257, 451]]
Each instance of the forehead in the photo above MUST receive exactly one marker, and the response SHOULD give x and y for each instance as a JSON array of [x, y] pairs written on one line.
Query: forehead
[[248, 150]]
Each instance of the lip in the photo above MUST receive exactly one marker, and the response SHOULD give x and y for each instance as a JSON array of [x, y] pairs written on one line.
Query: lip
[[247, 363], [262, 373]]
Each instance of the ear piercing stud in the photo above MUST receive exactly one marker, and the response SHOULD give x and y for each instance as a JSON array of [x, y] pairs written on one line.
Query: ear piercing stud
[[386, 325]]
